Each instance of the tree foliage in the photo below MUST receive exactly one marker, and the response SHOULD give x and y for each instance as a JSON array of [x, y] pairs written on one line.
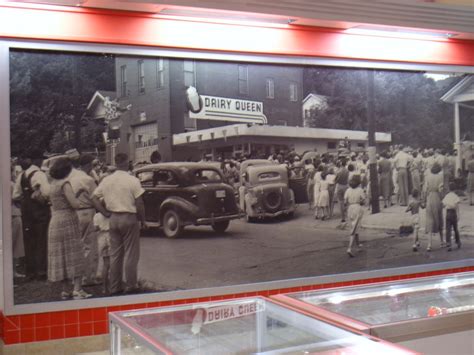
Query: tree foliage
[[407, 104], [49, 92]]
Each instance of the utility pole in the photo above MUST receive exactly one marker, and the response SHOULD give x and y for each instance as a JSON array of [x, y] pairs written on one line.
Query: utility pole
[[372, 150]]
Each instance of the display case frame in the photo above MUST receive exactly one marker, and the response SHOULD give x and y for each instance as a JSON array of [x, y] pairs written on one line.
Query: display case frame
[[11, 308], [395, 331], [281, 314]]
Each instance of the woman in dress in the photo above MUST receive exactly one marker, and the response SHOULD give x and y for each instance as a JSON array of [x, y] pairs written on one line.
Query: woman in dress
[[316, 189], [385, 171], [65, 257], [355, 199], [433, 189], [323, 202], [310, 171]]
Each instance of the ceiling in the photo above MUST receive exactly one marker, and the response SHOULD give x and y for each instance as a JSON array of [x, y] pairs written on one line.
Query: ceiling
[[444, 16]]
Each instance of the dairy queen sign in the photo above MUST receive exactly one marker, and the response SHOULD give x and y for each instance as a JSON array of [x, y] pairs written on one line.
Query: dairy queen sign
[[216, 108]]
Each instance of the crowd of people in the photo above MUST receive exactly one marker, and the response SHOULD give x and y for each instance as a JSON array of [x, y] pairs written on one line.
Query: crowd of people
[[77, 223], [420, 179]]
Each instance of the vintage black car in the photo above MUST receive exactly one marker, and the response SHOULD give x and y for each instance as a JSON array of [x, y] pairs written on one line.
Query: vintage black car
[[181, 194], [265, 192]]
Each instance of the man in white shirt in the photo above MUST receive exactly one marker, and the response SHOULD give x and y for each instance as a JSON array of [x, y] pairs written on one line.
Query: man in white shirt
[[122, 202], [32, 191], [401, 161]]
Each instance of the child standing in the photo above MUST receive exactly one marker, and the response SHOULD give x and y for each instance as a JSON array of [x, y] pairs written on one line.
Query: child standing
[[355, 199], [451, 202], [414, 208], [102, 225], [323, 202]]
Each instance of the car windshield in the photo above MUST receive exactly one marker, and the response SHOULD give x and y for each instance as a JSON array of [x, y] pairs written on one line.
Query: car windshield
[[269, 176], [207, 175]]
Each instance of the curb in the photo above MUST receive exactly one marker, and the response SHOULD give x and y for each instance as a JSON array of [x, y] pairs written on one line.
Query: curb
[[396, 230]]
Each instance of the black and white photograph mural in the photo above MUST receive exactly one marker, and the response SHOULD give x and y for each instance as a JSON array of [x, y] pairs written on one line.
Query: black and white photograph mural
[[146, 174]]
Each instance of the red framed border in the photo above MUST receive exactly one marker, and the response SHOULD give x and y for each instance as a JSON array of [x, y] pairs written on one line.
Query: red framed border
[[93, 321]]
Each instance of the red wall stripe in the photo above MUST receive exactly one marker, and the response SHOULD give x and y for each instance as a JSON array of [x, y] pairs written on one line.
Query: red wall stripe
[[100, 26], [74, 323]]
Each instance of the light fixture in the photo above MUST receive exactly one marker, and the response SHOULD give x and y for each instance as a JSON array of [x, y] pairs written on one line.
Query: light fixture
[[225, 16], [399, 32]]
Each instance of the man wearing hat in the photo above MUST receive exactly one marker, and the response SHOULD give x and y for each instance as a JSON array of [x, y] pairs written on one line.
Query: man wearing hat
[[32, 191], [83, 186]]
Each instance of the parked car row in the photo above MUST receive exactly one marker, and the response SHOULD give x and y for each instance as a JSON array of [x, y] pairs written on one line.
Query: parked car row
[[181, 194]]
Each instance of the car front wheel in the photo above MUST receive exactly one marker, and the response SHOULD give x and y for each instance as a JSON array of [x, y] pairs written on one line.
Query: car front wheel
[[172, 224], [220, 227]]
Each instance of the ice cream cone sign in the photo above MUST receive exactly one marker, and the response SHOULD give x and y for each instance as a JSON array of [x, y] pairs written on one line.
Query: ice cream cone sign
[[193, 100]]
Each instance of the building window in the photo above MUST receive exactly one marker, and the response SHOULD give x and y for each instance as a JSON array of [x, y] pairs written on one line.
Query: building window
[[160, 73], [123, 80], [141, 76], [293, 92], [332, 145], [243, 80], [361, 145], [270, 88], [189, 73]]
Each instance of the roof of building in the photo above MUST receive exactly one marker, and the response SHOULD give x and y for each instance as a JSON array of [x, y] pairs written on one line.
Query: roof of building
[[244, 130], [99, 97], [461, 92], [311, 95]]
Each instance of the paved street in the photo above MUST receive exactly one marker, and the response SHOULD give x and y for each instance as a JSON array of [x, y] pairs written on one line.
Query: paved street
[[276, 250]]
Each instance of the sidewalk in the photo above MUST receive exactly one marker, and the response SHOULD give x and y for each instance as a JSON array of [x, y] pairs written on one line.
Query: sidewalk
[[390, 219]]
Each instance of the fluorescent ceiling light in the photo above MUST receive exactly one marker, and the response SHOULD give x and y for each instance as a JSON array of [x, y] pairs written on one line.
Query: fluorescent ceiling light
[[386, 31], [225, 16]]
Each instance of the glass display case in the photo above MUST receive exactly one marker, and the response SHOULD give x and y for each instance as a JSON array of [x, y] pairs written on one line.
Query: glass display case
[[242, 326], [395, 311]]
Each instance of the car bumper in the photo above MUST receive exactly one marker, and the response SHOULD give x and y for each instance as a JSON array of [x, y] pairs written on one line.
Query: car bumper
[[215, 219], [272, 215]]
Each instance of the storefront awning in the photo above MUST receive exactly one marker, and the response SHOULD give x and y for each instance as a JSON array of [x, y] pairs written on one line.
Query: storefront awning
[[304, 133]]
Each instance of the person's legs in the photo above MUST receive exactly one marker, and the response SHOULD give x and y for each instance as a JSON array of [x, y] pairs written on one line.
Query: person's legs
[[430, 241], [116, 253], [89, 242], [351, 243], [316, 212], [449, 225], [105, 274], [340, 200], [456, 230], [131, 242], [403, 186], [40, 244]]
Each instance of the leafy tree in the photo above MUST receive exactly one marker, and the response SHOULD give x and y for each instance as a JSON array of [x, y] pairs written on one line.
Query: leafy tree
[[407, 104], [49, 92]]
